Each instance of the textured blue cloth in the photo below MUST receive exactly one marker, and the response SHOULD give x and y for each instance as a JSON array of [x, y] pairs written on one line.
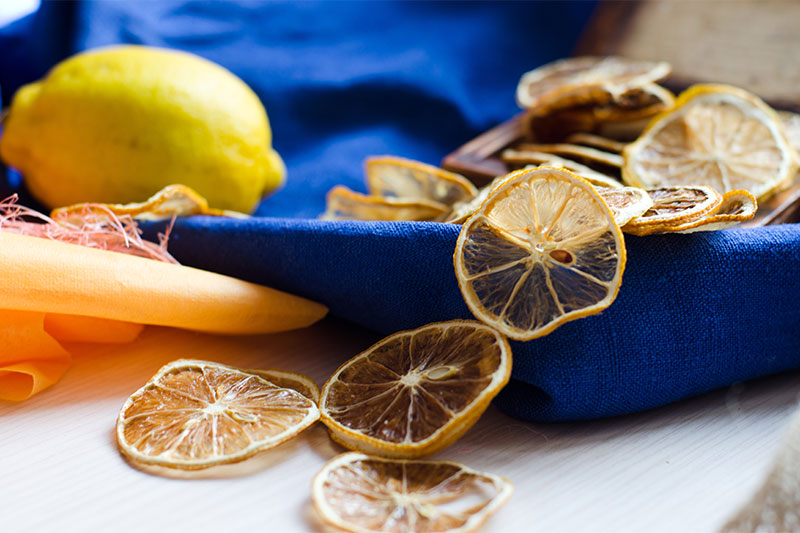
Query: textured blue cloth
[[345, 80]]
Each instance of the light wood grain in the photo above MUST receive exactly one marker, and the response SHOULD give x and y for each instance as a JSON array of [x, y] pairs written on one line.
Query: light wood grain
[[748, 43], [685, 467]]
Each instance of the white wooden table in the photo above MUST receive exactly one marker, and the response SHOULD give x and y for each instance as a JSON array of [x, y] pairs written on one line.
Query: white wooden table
[[684, 467]]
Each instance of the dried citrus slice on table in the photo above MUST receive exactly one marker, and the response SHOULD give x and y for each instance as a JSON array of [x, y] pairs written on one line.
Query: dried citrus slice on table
[[345, 204], [397, 177], [582, 80], [716, 135], [544, 249], [416, 392], [673, 206], [358, 493], [197, 414]]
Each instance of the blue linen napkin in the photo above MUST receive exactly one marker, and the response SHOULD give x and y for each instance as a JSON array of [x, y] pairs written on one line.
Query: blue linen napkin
[[342, 81]]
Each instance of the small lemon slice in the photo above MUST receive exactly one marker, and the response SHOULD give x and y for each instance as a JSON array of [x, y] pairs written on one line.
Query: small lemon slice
[[345, 204], [716, 135], [575, 150], [736, 207], [171, 201], [197, 414], [416, 392], [528, 157], [397, 177], [673, 206], [363, 494], [585, 80], [626, 203], [645, 102], [542, 250], [596, 141]]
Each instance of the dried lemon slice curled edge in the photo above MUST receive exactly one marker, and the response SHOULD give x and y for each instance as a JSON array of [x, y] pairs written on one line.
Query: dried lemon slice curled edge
[[346, 204], [398, 177], [359, 493]]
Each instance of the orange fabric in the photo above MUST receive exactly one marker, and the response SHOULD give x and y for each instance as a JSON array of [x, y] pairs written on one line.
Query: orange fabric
[[52, 292]]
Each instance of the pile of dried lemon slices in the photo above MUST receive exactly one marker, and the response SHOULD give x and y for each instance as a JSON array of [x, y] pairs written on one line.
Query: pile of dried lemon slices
[[538, 247], [408, 396]]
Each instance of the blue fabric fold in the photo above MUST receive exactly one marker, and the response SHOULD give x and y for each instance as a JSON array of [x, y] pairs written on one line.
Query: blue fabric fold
[[344, 80], [695, 312]]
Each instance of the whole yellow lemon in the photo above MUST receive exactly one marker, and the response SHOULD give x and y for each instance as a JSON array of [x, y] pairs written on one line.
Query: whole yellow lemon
[[118, 124]]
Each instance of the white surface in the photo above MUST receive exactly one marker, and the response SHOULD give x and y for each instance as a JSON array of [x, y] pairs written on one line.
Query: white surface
[[685, 467], [11, 10]]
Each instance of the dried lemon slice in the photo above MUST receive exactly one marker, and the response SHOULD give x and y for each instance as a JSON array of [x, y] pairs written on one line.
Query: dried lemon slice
[[289, 380], [520, 157], [397, 177], [673, 206], [717, 135], [461, 211], [791, 124], [345, 204], [736, 207], [416, 392], [196, 414], [574, 150], [626, 203], [544, 249], [355, 492], [583, 80], [645, 102], [171, 201], [596, 141]]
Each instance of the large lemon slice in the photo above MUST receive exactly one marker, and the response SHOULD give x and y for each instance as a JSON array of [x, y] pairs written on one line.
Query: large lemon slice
[[716, 135], [416, 392], [544, 249], [196, 414], [585, 80]]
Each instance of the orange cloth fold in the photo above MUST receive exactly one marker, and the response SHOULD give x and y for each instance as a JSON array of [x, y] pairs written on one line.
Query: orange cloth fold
[[52, 292]]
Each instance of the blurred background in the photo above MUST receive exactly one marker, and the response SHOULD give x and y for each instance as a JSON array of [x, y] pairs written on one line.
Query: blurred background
[[340, 80], [345, 80]]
